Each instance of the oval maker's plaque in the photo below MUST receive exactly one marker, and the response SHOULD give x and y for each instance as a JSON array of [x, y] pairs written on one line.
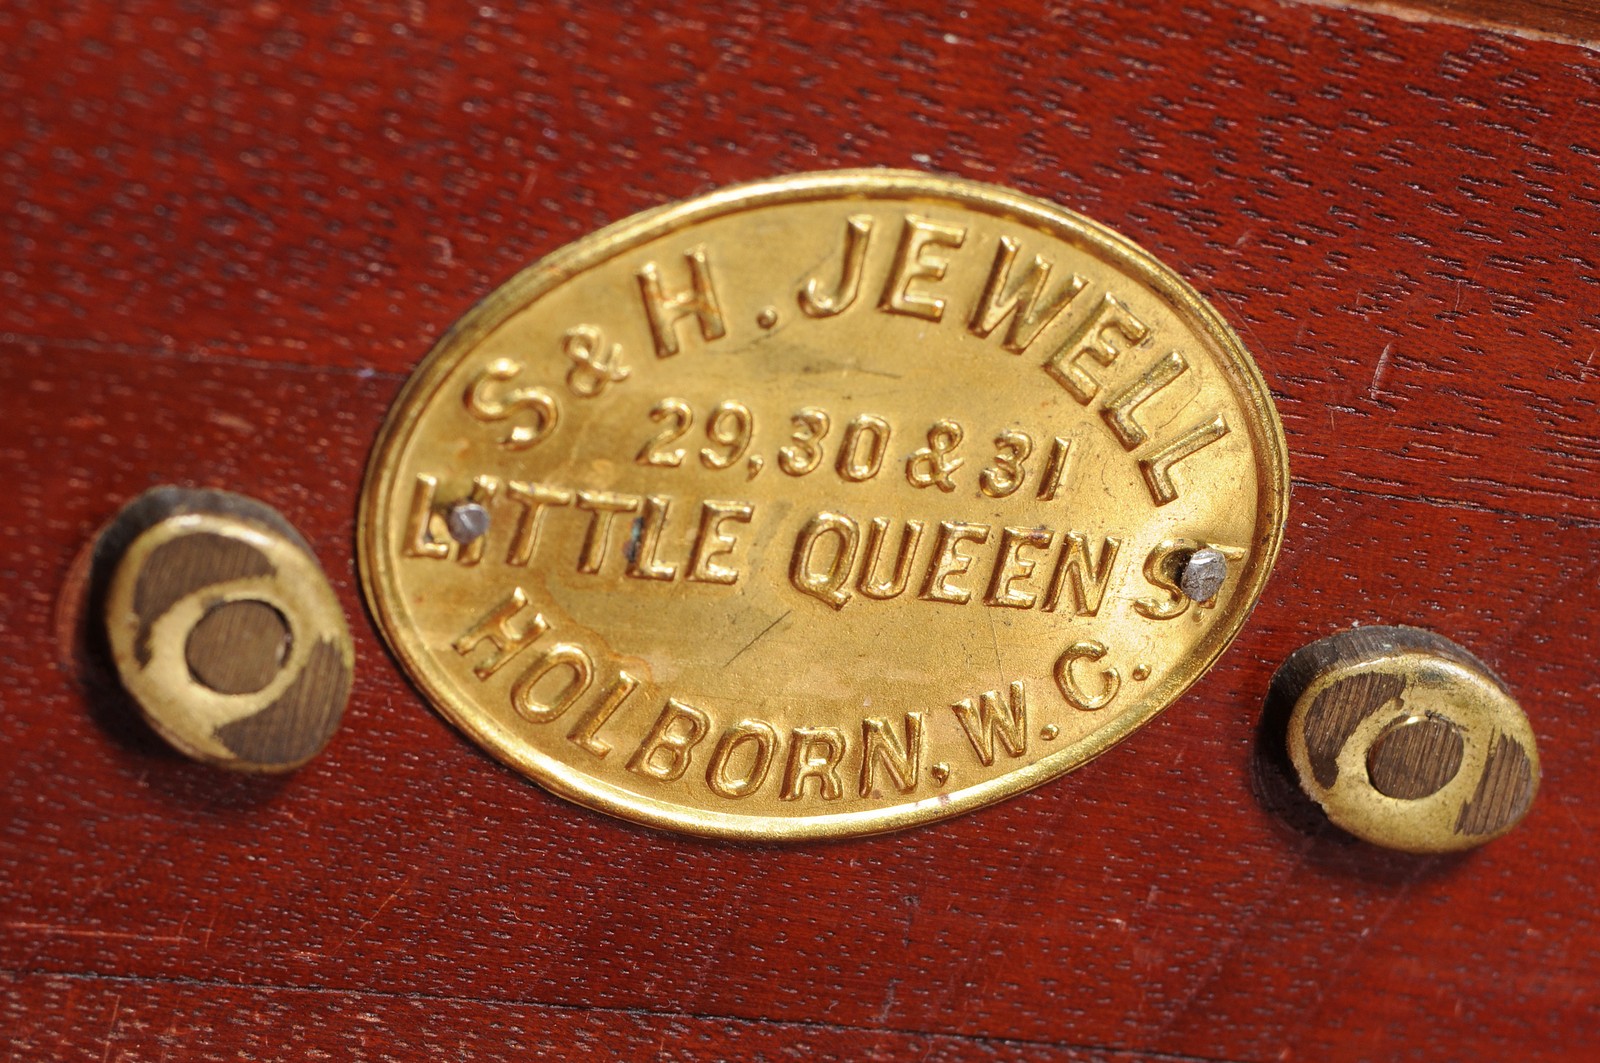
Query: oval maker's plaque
[[822, 505]]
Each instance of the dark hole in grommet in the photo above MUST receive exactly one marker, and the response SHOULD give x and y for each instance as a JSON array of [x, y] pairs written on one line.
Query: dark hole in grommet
[[238, 647], [1415, 757]]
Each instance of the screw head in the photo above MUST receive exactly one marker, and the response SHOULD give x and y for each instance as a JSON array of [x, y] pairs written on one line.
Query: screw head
[[467, 522], [1204, 574]]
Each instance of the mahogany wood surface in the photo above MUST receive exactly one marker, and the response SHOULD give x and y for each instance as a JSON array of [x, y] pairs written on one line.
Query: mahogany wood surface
[[1574, 20], [229, 234]]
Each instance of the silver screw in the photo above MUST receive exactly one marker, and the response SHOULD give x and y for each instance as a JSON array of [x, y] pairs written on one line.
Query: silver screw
[[1204, 574], [467, 521]]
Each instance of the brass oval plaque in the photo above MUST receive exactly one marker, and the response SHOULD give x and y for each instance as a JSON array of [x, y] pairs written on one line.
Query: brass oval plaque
[[822, 505]]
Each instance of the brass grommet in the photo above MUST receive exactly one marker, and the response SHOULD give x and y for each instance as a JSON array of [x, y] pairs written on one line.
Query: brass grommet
[[1407, 740], [224, 629]]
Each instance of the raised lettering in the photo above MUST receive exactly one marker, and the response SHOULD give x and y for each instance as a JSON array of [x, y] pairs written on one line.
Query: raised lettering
[[869, 583], [730, 425], [699, 301], [533, 498], [603, 507], [487, 407], [989, 721], [596, 365], [1101, 338], [524, 697], [484, 488], [711, 542], [1089, 576], [814, 753], [857, 231], [902, 761], [804, 453], [1161, 569], [585, 734], [949, 562], [1110, 680], [641, 551], [419, 541], [916, 259], [724, 778], [677, 731], [1157, 468], [1055, 469], [1012, 566], [1021, 301], [496, 628], [826, 586], [1001, 479], [931, 466], [1118, 411], [852, 466], [675, 418]]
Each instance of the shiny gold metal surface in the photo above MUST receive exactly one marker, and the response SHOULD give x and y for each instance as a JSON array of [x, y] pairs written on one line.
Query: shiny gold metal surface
[[1407, 740], [823, 505]]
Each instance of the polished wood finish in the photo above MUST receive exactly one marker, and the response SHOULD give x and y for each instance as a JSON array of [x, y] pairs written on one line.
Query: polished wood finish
[[1575, 20], [231, 233]]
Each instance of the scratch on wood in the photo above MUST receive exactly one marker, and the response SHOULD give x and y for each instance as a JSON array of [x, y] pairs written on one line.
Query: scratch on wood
[[116, 1010], [374, 916], [1377, 374], [109, 935]]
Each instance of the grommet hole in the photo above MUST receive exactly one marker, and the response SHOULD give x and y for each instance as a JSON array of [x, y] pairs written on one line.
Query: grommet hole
[[238, 647], [1415, 757]]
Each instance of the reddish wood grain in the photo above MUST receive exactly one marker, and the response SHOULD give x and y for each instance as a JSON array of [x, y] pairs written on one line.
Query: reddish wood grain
[[138, 1020], [1575, 20], [1142, 903], [231, 232], [1389, 209]]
